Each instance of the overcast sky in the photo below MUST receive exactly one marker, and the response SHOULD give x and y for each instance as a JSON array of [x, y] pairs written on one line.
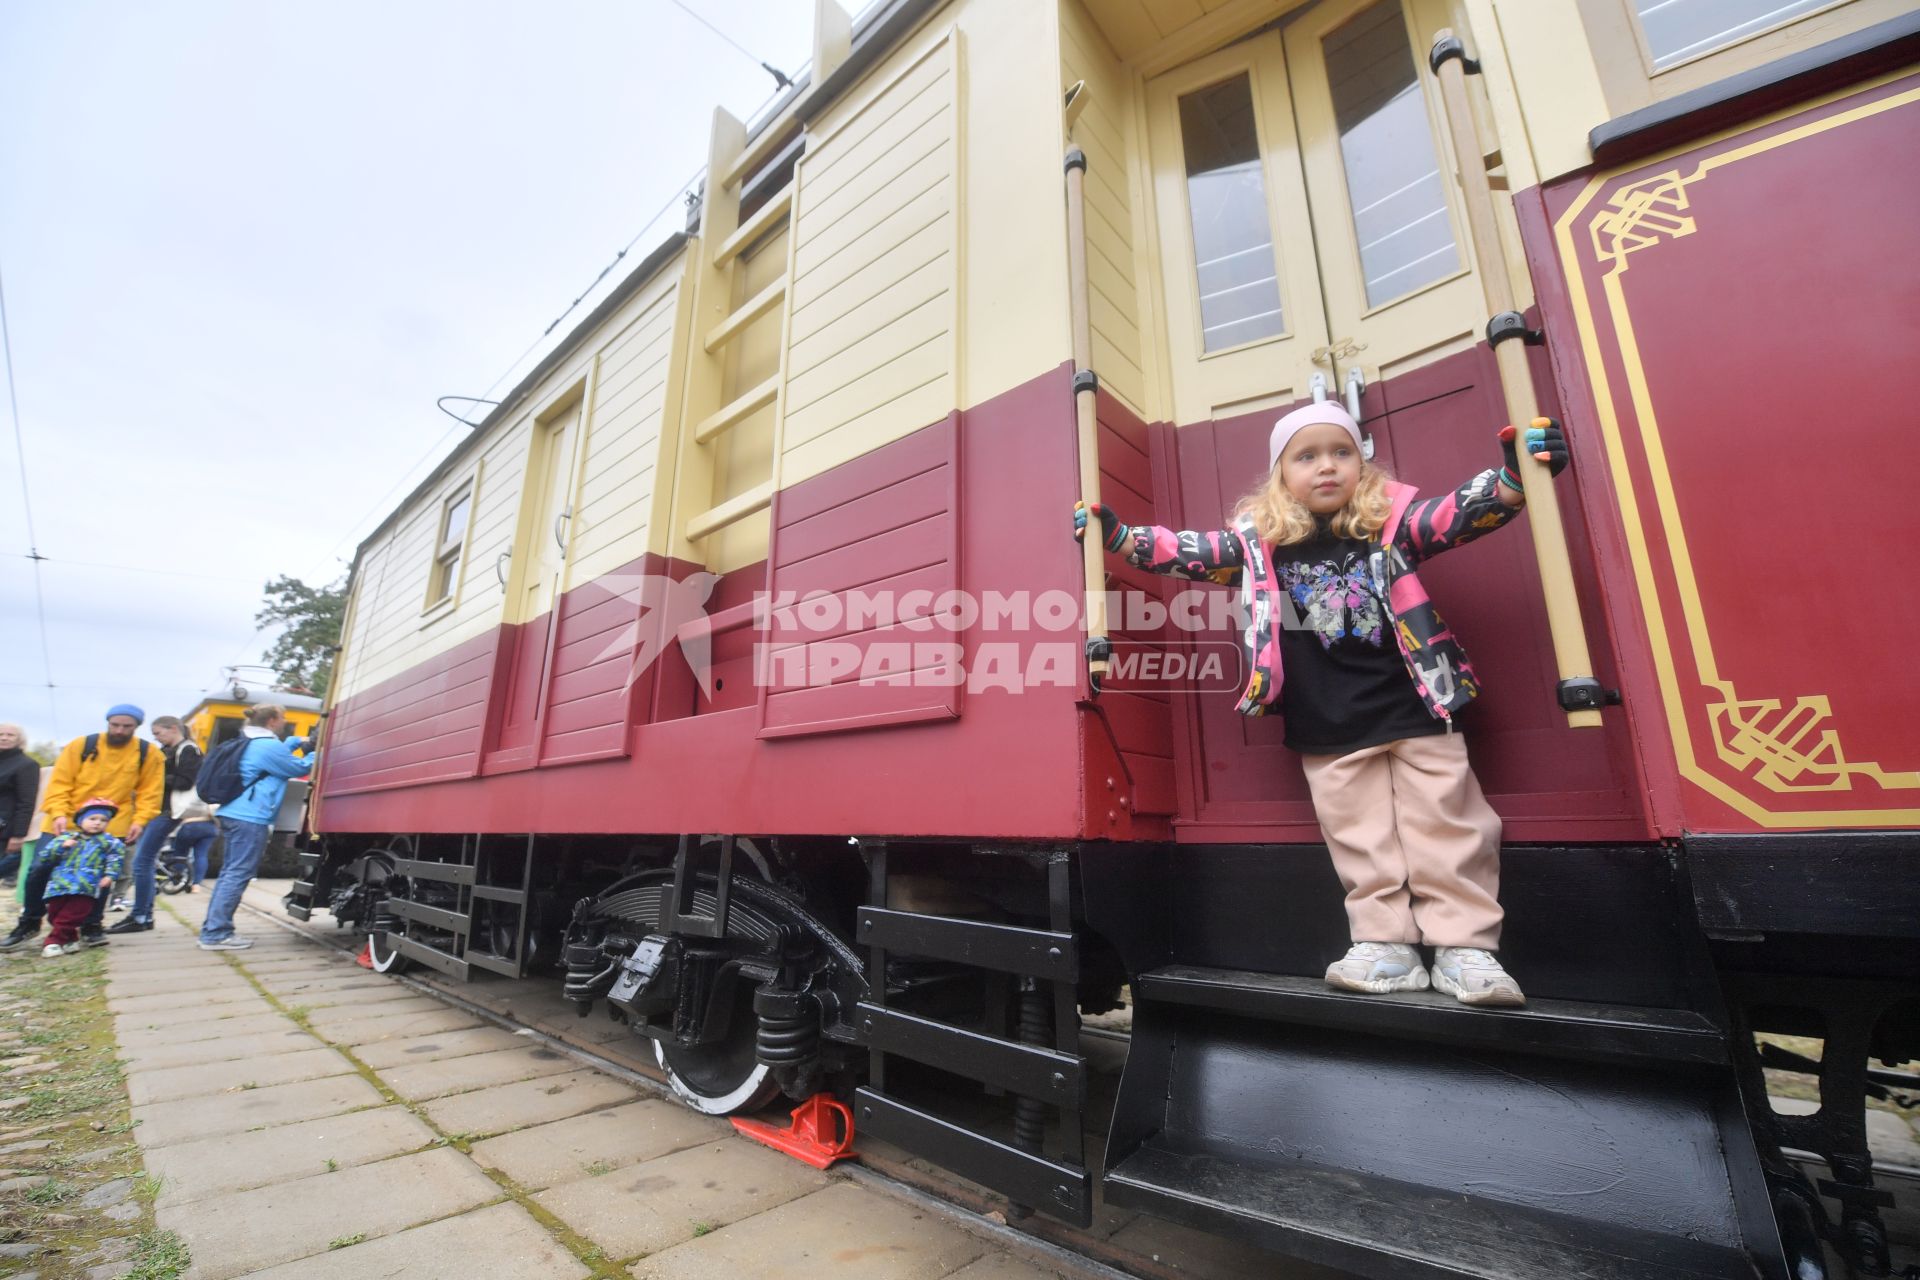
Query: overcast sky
[[245, 246]]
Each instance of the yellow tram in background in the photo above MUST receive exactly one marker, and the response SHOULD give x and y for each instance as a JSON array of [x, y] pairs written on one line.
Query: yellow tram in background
[[220, 713]]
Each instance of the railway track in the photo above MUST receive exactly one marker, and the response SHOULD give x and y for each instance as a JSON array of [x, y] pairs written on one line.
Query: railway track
[[1118, 1244]]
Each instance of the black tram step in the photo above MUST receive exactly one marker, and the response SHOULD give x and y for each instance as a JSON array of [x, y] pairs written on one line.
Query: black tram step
[[434, 958], [1004, 948], [299, 899], [1400, 1231], [431, 917], [1567, 1028], [1060, 1190], [1039, 1072]]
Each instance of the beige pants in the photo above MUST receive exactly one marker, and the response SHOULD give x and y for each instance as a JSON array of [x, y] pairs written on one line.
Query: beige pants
[[1413, 840]]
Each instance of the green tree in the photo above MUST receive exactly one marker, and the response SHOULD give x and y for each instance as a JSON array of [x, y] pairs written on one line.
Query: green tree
[[45, 752], [311, 618]]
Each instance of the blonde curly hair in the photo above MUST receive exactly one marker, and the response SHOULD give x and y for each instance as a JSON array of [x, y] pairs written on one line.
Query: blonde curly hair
[[1282, 520]]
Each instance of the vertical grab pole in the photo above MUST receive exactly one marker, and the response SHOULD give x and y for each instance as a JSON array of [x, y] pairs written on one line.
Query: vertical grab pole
[[1085, 387], [1580, 695]]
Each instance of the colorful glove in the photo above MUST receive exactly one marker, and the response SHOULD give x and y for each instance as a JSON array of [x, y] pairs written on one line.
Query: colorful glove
[[1545, 441], [1112, 533]]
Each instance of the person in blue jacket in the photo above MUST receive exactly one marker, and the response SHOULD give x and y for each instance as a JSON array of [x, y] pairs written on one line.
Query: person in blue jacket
[[246, 823]]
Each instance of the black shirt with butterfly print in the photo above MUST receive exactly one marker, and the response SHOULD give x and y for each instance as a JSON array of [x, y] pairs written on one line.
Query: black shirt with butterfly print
[[1347, 685]]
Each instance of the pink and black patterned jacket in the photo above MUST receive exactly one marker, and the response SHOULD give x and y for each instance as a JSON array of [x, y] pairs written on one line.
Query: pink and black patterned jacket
[[1414, 531]]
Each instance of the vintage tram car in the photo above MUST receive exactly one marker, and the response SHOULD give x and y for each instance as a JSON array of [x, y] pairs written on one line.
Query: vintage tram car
[[609, 704]]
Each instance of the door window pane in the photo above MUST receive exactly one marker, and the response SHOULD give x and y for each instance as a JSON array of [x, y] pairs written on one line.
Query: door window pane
[[1681, 29], [1394, 183], [1227, 203]]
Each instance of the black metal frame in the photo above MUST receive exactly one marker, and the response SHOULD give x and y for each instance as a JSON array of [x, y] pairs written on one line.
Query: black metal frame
[[465, 877], [1039, 1074]]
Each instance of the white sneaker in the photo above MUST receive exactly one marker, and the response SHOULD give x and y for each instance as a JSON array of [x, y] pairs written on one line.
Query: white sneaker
[[232, 942], [73, 948], [53, 949], [1379, 967], [1471, 975]]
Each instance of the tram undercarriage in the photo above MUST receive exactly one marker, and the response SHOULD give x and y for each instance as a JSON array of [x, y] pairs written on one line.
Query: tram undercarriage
[[1619, 1126]]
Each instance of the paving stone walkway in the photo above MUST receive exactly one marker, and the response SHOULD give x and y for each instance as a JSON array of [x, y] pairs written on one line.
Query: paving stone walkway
[[311, 1119]]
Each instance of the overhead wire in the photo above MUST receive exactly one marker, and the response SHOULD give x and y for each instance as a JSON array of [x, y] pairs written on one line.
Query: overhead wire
[[26, 508], [434, 449], [782, 84], [779, 76], [61, 562]]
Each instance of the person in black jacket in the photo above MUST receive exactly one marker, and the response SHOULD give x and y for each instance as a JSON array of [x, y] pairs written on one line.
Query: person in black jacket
[[183, 768], [19, 790]]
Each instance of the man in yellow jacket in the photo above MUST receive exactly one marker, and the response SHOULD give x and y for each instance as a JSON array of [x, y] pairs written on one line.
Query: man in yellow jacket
[[116, 766]]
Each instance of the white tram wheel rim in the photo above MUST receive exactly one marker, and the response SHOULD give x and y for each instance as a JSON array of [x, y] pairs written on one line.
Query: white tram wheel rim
[[386, 964], [725, 1104]]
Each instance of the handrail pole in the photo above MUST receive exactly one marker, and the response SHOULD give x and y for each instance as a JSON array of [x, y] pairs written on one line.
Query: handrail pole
[[1085, 392], [1580, 695]]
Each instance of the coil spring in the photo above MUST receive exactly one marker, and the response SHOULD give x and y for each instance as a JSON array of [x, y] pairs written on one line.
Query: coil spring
[[1035, 1027], [789, 1030]]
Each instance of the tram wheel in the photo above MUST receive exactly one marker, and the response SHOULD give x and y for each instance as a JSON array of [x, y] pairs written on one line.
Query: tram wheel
[[723, 1077], [384, 956]]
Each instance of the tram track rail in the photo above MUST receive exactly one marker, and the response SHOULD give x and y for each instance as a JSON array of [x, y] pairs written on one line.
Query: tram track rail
[[1076, 1254]]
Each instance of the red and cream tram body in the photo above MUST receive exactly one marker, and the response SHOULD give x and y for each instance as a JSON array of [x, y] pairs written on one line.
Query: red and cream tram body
[[733, 667]]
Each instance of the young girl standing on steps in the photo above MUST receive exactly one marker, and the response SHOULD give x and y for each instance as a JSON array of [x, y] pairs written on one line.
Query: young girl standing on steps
[[1325, 551]]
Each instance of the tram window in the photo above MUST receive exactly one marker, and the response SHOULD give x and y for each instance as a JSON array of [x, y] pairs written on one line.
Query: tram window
[[1394, 184], [453, 535], [1677, 30], [1227, 207], [224, 727]]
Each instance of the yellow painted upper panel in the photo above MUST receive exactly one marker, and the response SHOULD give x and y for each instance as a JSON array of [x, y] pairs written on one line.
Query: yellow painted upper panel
[[388, 628], [872, 330], [614, 503]]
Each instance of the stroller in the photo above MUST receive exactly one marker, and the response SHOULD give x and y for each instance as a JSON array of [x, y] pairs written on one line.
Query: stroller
[[172, 873], [172, 869]]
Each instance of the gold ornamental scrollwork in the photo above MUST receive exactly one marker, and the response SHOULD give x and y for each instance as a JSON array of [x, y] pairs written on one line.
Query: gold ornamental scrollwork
[[1642, 215], [1794, 747], [1784, 746]]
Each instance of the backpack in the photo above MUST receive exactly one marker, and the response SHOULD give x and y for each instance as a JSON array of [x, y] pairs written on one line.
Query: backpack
[[91, 748], [219, 781]]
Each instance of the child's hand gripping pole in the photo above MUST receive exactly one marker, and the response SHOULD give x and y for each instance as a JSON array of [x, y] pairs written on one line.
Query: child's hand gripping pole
[[1545, 442], [1085, 389], [1580, 695], [1113, 534]]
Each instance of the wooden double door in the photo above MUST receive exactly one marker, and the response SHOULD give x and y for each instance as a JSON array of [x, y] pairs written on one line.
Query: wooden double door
[[1308, 222], [1311, 245]]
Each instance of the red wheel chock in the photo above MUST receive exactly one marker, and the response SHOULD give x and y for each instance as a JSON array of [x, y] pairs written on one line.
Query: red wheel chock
[[365, 958], [822, 1132]]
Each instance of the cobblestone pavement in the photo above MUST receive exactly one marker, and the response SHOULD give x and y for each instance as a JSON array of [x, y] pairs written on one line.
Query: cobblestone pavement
[[311, 1119]]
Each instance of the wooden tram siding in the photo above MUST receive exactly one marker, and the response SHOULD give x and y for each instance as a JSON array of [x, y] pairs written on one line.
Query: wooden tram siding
[[875, 285], [620, 446], [694, 771], [887, 522], [847, 530], [877, 270]]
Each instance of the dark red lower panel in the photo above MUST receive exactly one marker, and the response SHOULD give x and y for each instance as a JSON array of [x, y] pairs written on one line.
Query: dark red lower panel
[[1000, 482], [982, 503]]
